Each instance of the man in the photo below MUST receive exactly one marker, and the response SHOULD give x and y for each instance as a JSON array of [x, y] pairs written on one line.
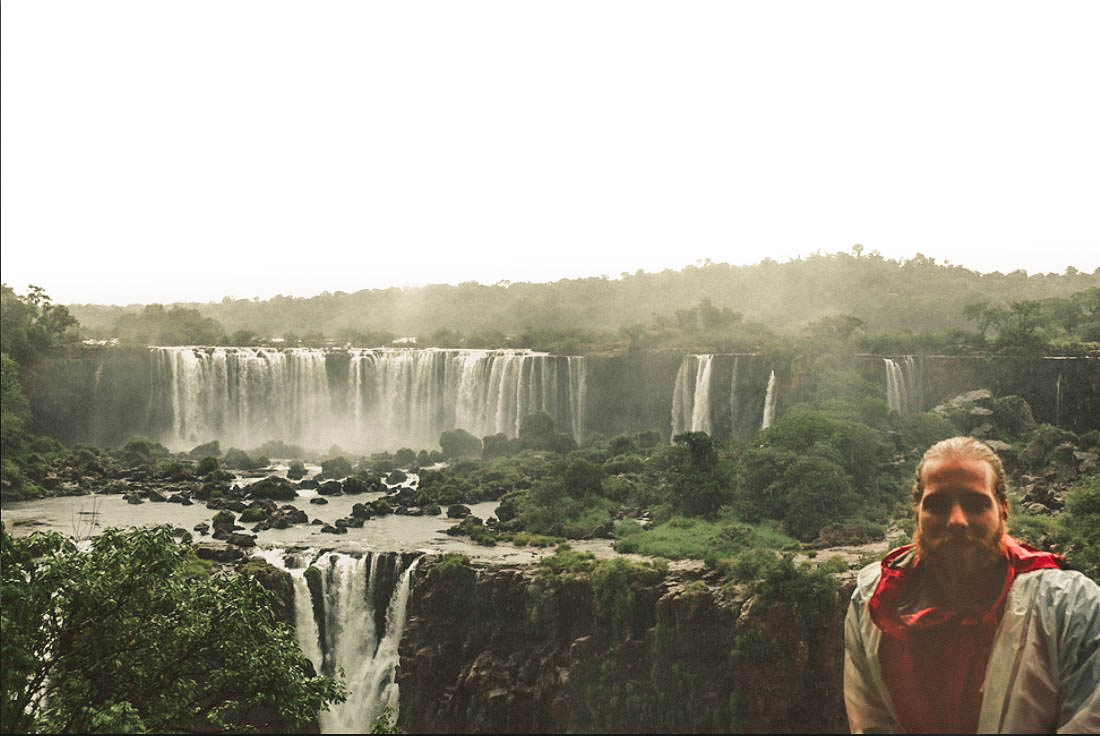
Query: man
[[966, 629]]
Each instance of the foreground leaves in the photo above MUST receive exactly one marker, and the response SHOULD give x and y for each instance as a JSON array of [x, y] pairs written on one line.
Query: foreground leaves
[[128, 636]]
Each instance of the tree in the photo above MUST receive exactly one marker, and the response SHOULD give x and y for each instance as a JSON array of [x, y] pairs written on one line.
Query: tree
[[536, 430], [459, 443], [699, 483], [135, 635], [31, 324]]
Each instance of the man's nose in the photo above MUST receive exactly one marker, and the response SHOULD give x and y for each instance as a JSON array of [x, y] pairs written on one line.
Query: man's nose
[[957, 517]]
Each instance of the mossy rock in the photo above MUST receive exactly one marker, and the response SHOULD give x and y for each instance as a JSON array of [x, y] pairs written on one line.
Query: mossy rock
[[274, 487]]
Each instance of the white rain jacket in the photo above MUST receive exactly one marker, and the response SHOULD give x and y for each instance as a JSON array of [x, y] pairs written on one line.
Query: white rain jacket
[[1044, 668]]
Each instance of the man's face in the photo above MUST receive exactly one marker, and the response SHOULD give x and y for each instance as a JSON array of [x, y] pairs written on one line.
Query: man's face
[[960, 522]]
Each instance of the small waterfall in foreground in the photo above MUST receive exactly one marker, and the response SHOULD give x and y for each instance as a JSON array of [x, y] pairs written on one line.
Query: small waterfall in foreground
[[350, 614], [769, 403], [903, 385]]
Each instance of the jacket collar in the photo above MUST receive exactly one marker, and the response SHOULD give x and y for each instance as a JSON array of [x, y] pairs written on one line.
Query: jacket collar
[[892, 605]]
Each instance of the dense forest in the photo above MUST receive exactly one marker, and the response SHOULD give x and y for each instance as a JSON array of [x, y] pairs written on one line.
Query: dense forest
[[916, 302]]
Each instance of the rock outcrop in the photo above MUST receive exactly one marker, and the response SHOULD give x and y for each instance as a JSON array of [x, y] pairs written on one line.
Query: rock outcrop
[[496, 649]]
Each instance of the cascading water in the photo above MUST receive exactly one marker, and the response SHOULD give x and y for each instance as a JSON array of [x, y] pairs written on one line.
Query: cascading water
[[691, 395], [903, 385], [700, 404], [769, 403], [351, 617], [734, 410], [383, 399], [1058, 401]]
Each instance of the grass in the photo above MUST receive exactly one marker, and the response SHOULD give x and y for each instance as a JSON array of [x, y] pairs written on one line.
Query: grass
[[681, 538]]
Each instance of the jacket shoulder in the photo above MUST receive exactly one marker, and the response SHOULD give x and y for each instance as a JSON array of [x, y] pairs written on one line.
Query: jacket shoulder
[[866, 582]]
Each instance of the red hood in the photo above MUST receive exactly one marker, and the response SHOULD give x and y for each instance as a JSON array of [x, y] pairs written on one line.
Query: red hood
[[902, 565]]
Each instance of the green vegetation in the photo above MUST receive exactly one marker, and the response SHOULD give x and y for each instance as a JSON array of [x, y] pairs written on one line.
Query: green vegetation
[[1075, 532], [686, 538], [30, 326], [907, 305], [132, 636], [155, 325]]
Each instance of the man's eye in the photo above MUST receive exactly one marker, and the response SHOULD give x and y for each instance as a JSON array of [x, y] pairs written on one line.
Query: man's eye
[[935, 505], [975, 504]]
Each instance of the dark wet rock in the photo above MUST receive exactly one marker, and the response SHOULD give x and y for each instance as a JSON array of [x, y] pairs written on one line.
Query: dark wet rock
[[1012, 416], [330, 529], [458, 511], [355, 484], [221, 533], [317, 522], [242, 540], [273, 487], [318, 500], [432, 509], [360, 511], [1042, 444], [309, 483], [218, 552], [134, 499], [202, 527], [216, 504], [331, 488]]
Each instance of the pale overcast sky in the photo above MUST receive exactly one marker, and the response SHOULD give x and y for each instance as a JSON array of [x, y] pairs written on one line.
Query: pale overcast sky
[[170, 151]]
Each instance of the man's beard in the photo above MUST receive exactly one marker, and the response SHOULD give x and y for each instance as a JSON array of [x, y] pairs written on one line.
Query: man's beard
[[961, 558]]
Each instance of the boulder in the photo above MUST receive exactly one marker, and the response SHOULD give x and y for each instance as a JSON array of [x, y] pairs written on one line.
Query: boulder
[[241, 540], [318, 500], [458, 511], [331, 488], [273, 487], [1039, 449], [1012, 416], [354, 484], [329, 529]]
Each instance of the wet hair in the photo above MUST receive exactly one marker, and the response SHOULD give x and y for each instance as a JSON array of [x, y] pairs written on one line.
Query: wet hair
[[963, 448]]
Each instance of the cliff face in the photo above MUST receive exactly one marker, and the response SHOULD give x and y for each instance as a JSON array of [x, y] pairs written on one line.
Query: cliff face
[[497, 649]]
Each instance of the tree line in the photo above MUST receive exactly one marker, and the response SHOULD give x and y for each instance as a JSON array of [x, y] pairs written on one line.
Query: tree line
[[913, 297]]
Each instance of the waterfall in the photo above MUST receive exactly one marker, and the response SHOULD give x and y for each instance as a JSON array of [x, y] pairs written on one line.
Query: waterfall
[[733, 396], [1058, 401], [386, 398], [681, 395], [699, 402], [700, 410], [903, 385], [691, 395], [353, 621], [769, 403]]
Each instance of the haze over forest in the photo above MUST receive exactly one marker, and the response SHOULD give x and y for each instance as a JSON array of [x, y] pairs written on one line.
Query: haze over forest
[[901, 297]]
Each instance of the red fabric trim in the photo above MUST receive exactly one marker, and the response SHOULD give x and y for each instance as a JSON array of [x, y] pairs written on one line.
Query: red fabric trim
[[899, 564]]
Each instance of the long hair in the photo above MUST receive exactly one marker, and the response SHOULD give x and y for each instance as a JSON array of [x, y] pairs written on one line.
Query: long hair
[[963, 448]]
